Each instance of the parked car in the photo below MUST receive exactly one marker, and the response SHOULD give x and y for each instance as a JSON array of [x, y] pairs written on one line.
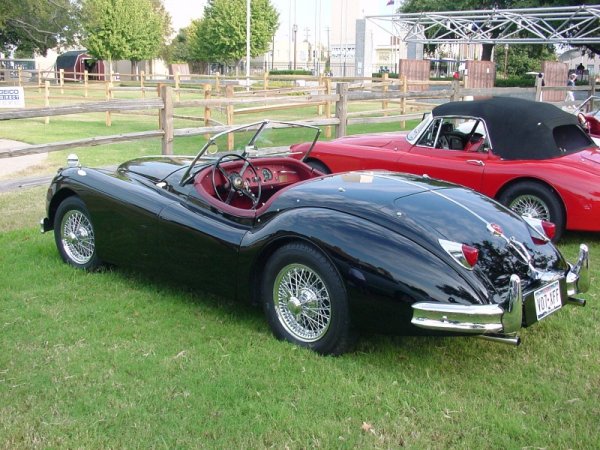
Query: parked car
[[588, 114], [325, 255], [530, 156]]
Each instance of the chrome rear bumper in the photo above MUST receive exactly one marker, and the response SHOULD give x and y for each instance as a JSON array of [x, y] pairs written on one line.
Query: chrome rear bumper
[[493, 321]]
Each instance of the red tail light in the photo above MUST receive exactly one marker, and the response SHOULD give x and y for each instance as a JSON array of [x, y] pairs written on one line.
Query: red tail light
[[549, 229], [471, 254], [463, 254]]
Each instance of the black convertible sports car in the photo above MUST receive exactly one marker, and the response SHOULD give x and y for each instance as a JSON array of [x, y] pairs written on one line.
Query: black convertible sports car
[[325, 255]]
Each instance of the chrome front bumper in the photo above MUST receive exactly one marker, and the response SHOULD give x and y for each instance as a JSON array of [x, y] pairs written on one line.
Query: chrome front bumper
[[495, 322]]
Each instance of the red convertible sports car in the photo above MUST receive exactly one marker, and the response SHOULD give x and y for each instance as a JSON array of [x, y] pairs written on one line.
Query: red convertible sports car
[[530, 156], [589, 116]]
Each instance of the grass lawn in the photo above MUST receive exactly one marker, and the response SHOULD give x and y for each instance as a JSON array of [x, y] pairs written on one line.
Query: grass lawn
[[115, 359]]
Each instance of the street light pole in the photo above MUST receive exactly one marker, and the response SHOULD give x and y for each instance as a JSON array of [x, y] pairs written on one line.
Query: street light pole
[[295, 30], [247, 45]]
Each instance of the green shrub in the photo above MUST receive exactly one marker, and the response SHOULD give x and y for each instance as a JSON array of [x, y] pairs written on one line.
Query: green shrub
[[290, 72]]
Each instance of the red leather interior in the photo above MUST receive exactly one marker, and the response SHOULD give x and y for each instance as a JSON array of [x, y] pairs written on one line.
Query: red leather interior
[[275, 175]]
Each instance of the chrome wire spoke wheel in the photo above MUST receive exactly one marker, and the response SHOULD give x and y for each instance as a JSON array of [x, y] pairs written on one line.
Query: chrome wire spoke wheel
[[302, 302], [77, 237], [531, 206]]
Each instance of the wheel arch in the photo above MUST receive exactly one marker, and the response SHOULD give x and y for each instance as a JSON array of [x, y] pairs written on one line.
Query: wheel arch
[[538, 181], [318, 161], [267, 251], [56, 200]]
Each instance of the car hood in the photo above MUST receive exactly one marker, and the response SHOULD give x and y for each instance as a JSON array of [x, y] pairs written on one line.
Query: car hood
[[425, 211], [155, 168], [372, 140]]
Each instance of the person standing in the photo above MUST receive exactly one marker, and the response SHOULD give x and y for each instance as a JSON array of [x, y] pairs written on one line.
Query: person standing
[[571, 83]]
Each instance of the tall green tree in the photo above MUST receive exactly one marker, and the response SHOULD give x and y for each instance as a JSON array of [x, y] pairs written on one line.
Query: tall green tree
[[220, 36], [35, 26], [125, 29]]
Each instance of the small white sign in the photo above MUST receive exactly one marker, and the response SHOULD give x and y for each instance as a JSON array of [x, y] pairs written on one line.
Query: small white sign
[[12, 97]]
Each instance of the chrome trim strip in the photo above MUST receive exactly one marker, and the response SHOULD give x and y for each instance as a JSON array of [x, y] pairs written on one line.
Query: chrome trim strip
[[475, 319], [578, 278]]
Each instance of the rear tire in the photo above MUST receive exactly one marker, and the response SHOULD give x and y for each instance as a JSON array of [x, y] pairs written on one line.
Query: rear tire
[[74, 235], [536, 200], [305, 300]]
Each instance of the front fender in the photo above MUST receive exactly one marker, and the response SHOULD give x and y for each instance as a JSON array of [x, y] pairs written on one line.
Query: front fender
[[383, 271]]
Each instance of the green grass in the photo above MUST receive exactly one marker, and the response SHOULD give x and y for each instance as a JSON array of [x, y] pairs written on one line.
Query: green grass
[[118, 360], [114, 359]]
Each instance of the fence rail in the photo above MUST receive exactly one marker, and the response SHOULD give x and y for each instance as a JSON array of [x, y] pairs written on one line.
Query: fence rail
[[323, 99]]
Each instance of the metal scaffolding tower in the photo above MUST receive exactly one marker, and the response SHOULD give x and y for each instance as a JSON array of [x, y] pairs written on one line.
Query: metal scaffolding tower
[[570, 25]]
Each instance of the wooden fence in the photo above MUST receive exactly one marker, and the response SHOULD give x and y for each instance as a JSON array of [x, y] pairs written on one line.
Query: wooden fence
[[408, 105]]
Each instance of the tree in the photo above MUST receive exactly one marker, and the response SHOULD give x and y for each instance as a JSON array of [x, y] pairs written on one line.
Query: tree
[[520, 59], [124, 29], [221, 34], [179, 48], [38, 25]]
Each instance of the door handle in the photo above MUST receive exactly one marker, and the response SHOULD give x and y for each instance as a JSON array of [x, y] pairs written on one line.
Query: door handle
[[475, 162]]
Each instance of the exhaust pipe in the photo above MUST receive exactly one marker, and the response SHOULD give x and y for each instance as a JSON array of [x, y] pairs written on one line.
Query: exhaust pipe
[[510, 340]]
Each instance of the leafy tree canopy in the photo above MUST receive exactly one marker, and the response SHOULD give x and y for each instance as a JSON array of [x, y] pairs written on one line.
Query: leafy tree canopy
[[220, 35], [124, 29], [38, 25]]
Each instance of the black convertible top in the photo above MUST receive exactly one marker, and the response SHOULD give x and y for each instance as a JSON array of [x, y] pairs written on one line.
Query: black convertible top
[[523, 129]]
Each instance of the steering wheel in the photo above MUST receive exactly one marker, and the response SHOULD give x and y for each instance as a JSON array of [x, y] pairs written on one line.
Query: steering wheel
[[234, 181]]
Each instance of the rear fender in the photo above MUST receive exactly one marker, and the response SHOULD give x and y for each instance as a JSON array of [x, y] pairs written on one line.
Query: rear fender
[[384, 272]]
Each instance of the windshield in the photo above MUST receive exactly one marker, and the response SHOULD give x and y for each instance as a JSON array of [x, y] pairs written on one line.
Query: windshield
[[414, 134], [266, 138]]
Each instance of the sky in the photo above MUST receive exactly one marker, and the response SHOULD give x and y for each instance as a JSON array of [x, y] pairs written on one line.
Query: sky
[[306, 14]]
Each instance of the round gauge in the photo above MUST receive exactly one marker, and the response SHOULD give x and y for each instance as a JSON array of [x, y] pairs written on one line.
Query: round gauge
[[267, 174]]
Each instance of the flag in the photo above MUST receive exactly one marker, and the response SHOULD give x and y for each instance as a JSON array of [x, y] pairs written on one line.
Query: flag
[[390, 2]]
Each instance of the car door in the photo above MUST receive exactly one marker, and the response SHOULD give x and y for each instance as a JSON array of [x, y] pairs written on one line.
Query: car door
[[458, 155], [200, 245]]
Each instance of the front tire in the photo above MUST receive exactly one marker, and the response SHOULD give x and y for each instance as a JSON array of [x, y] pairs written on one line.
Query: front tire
[[74, 235], [305, 300], [537, 201]]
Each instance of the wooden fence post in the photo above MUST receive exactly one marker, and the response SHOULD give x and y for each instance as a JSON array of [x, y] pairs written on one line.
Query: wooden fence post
[[341, 109], [86, 77], [328, 106], [229, 95], [142, 79], [207, 111], [47, 99], [265, 80], [61, 76], [177, 81], [39, 74], [20, 75], [166, 119], [455, 90], [385, 103], [217, 84], [320, 88], [403, 100]]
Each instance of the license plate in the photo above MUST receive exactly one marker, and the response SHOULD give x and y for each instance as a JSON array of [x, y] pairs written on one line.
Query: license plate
[[547, 300]]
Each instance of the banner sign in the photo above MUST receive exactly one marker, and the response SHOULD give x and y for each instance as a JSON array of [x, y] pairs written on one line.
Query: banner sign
[[12, 97]]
